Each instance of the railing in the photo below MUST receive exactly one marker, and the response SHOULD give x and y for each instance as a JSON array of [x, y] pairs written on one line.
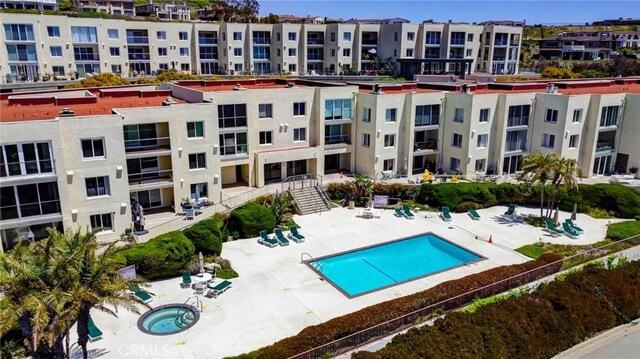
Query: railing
[[427, 120], [35, 167], [208, 56], [207, 40], [515, 146], [573, 48], [518, 121], [140, 56], [432, 42], [457, 42], [315, 41], [501, 43], [142, 144], [301, 181], [336, 139], [235, 150], [499, 58], [261, 41], [370, 42], [426, 145], [605, 146], [315, 57], [150, 177], [30, 209], [86, 57], [137, 39]]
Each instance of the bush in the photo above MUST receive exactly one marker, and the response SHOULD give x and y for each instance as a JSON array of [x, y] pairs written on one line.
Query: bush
[[623, 230], [160, 257], [226, 273], [340, 190], [465, 206], [206, 236], [250, 219]]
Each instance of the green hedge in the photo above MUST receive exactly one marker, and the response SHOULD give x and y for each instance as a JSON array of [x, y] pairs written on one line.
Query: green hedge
[[538, 325], [206, 236], [623, 230], [345, 325], [340, 190], [160, 257], [250, 219]]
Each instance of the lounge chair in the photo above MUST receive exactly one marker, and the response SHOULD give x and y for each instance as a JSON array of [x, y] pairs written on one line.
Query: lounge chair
[[295, 236], [282, 240], [399, 212], [570, 232], [473, 214], [446, 216], [407, 212], [199, 288], [266, 240], [215, 291], [139, 293], [511, 210], [189, 213], [573, 225], [555, 231], [186, 280], [94, 332]]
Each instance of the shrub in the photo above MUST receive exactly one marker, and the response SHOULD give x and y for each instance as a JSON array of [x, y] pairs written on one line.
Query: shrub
[[226, 273], [250, 219], [465, 206], [162, 256], [452, 194], [206, 236], [623, 230]]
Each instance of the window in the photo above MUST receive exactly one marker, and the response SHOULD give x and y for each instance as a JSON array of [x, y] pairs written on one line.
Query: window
[[261, 53], [469, 37], [232, 115], [346, 52], [237, 51], [299, 108], [163, 66], [202, 190], [292, 52], [237, 36], [184, 67], [395, 52], [299, 134], [518, 115], [333, 36], [58, 70], [516, 141], [266, 137], [161, 35], [162, 51], [469, 53], [292, 67], [22, 52], [97, 186], [101, 222], [184, 51], [395, 36], [366, 140], [390, 140], [337, 109], [29, 200], [112, 34], [427, 115], [346, 36], [390, 115], [458, 115], [25, 159], [410, 36], [409, 52], [233, 143], [457, 38], [237, 67], [292, 36], [455, 164], [482, 140], [573, 141], [480, 164], [456, 140], [388, 164], [551, 116], [182, 35], [548, 140], [92, 148], [609, 116], [224, 36], [56, 51], [333, 52], [577, 115], [195, 129], [18, 32], [432, 38], [84, 34], [264, 110], [114, 51], [366, 114], [484, 115], [197, 161], [53, 31]]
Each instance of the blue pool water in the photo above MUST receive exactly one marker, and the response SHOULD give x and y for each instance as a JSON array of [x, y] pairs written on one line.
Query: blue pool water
[[372, 268], [168, 319]]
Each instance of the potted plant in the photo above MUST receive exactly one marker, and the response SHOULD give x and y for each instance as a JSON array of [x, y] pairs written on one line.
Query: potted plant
[[634, 171]]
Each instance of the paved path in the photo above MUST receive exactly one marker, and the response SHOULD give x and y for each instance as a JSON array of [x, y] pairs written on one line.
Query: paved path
[[622, 342]]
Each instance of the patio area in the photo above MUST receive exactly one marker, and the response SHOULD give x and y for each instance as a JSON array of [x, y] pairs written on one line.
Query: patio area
[[276, 296]]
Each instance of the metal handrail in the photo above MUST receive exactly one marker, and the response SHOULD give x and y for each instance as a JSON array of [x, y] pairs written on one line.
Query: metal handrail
[[312, 178]]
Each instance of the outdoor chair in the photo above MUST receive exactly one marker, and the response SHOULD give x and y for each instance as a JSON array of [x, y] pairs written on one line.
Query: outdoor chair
[[407, 212], [399, 212], [573, 225], [511, 210], [186, 280], [474, 214], [189, 213], [570, 232], [139, 293], [199, 288], [295, 236], [555, 231], [266, 240], [215, 291], [94, 332], [282, 240], [446, 216]]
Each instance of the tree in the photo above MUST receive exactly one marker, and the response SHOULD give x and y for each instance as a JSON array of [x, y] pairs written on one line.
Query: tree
[[538, 168], [360, 187], [564, 172], [271, 19], [65, 5], [279, 205]]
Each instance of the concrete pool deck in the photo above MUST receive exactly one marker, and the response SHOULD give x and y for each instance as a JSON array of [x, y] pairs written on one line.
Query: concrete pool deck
[[276, 296]]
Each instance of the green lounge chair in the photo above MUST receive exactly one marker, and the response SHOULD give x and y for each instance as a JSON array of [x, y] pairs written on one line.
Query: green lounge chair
[[266, 240], [399, 212], [555, 231], [295, 236], [511, 210], [215, 291], [186, 280], [473, 214], [94, 332], [407, 212], [446, 216], [573, 225], [570, 232], [282, 240], [139, 293]]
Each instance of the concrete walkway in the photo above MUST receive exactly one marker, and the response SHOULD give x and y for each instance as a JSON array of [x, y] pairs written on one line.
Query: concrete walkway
[[622, 342]]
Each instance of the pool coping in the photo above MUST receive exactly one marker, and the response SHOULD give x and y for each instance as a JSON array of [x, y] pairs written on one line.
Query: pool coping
[[326, 279], [196, 318]]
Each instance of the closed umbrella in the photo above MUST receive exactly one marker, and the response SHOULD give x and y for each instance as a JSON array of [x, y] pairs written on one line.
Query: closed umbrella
[[197, 194], [556, 215], [574, 214], [201, 263]]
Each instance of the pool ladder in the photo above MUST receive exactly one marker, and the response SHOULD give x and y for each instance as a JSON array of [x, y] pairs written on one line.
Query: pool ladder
[[185, 316], [316, 265], [468, 261]]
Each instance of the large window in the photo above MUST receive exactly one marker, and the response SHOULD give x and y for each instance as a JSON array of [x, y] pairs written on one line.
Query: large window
[[390, 140], [458, 115], [518, 115], [432, 38], [202, 190], [195, 129], [609, 116], [92, 148], [551, 115], [232, 115], [29, 200], [337, 109], [261, 53], [516, 141], [300, 134], [299, 108], [18, 32], [233, 143], [456, 140], [265, 110], [266, 137], [84, 34], [140, 136], [457, 38], [197, 161], [455, 164], [390, 115], [101, 222], [25, 159], [97, 186], [427, 115], [22, 52], [261, 37]]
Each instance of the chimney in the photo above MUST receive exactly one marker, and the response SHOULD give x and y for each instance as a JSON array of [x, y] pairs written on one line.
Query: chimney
[[464, 88], [169, 101], [551, 88], [376, 89], [290, 84], [66, 112]]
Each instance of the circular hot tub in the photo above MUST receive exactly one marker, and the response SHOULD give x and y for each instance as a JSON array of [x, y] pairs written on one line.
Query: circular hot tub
[[168, 319]]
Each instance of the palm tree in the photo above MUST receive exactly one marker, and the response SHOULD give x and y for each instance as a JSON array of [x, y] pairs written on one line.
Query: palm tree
[[565, 172], [360, 187], [538, 168]]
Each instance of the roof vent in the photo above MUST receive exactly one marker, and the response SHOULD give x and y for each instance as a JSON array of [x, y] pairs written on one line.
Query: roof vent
[[66, 112], [551, 88], [239, 87], [464, 88], [376, 89], [290, 84], [169, 101]]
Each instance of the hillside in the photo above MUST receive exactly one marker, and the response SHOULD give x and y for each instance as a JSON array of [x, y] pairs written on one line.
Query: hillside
[[536, 33]]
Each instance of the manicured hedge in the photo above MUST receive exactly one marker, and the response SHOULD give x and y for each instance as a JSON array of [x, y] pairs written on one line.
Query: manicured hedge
[[336, 328], [250, 219], [622, 200], [206, 236], [622, 230], [162, 256], [340, 190], [537, 325]]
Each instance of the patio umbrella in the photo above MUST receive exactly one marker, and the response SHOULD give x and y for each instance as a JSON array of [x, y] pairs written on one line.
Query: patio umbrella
[[556, 215], [201, 263], [574, 214], [197, 194]]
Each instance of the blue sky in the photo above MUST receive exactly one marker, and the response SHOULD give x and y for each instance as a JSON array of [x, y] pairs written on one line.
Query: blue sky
[[547, 12]]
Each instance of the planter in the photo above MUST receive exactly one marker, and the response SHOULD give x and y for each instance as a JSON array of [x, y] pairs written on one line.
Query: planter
[[352, 204]]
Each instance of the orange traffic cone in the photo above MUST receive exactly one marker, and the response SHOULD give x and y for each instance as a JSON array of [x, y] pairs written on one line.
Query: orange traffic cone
[[490, 238]]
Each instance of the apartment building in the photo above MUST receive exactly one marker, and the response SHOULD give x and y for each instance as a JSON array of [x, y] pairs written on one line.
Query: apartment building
[[112, 7], [164, 11], [36, 45], [587, 45], [29, 4]]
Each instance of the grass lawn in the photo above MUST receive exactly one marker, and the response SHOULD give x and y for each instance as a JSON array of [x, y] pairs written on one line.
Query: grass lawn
[[531, 250], [226, 273]]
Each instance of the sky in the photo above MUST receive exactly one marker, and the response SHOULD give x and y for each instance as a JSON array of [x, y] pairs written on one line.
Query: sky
[[534, 12]]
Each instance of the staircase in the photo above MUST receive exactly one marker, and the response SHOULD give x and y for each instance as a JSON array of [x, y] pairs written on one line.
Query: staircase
[[310, 199]]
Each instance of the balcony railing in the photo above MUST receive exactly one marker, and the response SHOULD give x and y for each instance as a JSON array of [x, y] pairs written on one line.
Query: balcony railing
[[569, 48], [515, 146], [30, 209], [137, 39], [140, 56], [86, 57], [605, 146], [234, 150], [370, 42], [315, 41], [315, 57], [457, 42], [336, 139], [426, 145], [147, 144], [518, 121], [208, 40], [500, 43], [27, 168], [434, 42], [499, 58], [151, 177], [261, 41]]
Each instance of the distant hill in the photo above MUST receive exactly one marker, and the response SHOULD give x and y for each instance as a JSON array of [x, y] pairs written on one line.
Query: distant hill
[[535, 33], [192, 3]]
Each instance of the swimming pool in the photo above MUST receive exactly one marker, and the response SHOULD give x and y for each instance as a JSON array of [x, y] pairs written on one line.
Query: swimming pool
[[368, 269], [168, 319]]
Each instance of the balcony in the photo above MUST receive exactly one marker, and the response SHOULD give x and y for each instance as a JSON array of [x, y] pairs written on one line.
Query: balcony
[[605, 146], [337, 139], [137, 39], [315, 42], [457, 42], [315, 57], [433, 42], [207, 40], [86, 57], [140, 56], [151, 180], [515, 146], [234, 151], [571, 48], [369, 42], [26, 170], [144, 147], [500, 43], [428, 145]]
